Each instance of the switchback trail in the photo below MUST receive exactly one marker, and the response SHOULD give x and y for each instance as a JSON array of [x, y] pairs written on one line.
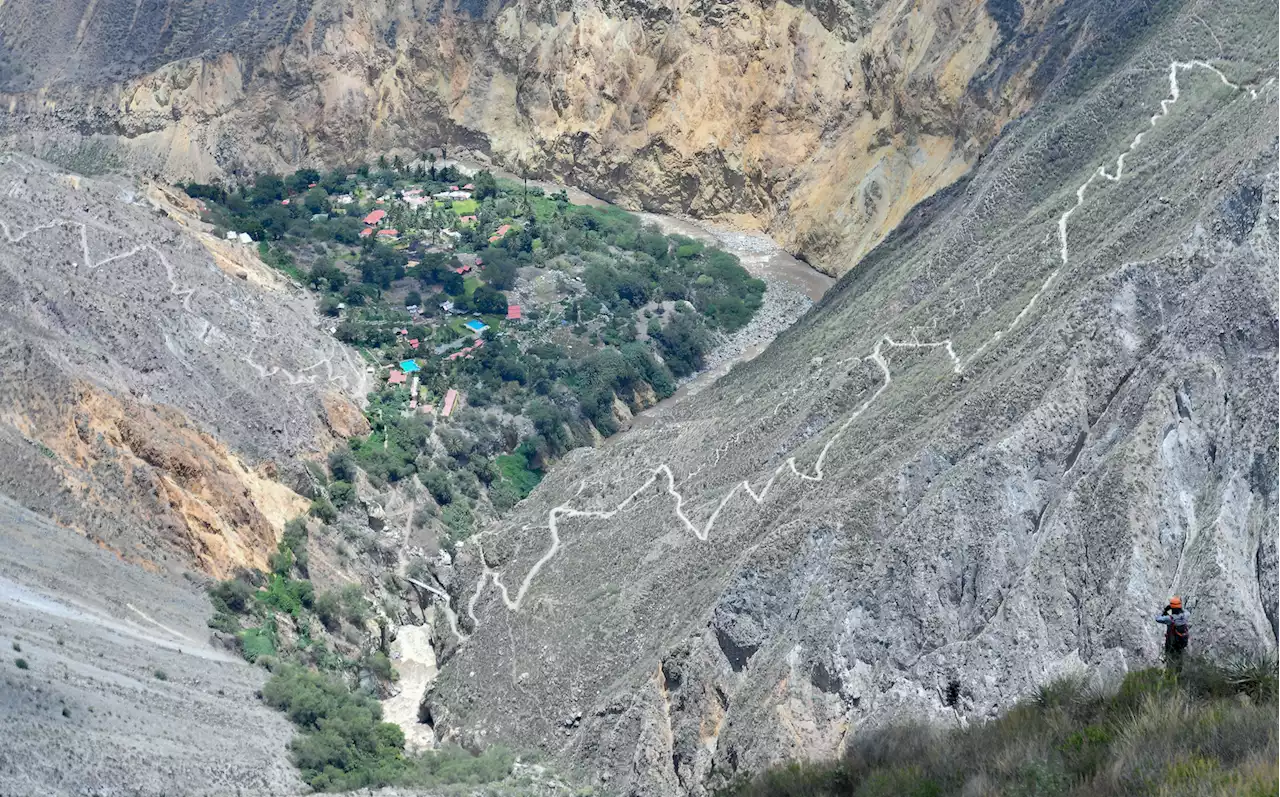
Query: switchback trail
[[877, 356], [186, 295]]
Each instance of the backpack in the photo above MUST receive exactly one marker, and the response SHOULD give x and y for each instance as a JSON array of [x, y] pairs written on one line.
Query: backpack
[[1179, 633]]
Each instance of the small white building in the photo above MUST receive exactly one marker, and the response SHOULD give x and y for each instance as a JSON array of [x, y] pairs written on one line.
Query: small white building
[[231, 235], [245, 239]]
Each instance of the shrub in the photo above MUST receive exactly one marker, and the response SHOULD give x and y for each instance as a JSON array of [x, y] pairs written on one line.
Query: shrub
[[355, 607], [256, 643], [439, 485], [322, 509], [287, 595], [1158, 734], [342, 742], [233, 595], [21, 664], [161, 675], [281, 562], [454, 765], [328, 608], [341, 493], [378, 664]]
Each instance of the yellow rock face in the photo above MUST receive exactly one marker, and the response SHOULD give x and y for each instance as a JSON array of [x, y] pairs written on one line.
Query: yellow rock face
[[823, 131]]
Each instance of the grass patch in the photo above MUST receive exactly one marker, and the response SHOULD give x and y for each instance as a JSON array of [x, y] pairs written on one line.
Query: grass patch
[[465, 207], [1210, 730]]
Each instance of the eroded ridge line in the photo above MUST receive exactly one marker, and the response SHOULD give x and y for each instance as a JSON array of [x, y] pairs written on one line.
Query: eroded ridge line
[[175, 289]]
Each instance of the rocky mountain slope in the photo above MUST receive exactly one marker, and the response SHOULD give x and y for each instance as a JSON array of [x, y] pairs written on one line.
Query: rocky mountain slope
[[156, 385], [1043, 405], [823, 122], [121, 692]]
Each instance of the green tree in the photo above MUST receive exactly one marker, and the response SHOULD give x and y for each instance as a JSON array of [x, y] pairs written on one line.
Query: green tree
[[484, 186]]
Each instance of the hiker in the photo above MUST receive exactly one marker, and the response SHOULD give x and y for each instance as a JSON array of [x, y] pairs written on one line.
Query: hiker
[[1177, 631]]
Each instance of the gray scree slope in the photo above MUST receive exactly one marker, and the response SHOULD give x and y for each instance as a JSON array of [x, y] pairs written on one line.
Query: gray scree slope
[[1047, 402], [94, 632]]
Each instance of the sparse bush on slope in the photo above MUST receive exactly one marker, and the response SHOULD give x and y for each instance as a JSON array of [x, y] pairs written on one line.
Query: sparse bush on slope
[[1209, 731]]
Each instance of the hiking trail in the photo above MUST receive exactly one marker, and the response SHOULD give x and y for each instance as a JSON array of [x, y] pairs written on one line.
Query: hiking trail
[[877, 356]]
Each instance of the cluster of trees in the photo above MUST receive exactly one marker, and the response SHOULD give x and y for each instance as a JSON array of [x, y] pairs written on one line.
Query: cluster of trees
[[342, 744], [632, 275]]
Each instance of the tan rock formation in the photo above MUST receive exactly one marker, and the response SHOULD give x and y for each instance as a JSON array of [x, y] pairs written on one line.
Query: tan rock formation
[[822, 128]]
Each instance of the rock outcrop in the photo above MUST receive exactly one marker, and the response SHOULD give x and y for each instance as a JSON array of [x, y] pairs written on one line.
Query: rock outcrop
[[822, 123], [992, 452], [149, 398]]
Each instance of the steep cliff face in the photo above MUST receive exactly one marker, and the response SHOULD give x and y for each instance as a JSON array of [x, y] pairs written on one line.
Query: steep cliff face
[[154, 395], [823, 122], [1042, 406]]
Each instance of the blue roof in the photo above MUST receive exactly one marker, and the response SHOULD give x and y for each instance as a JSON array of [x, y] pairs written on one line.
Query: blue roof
[[409, 366], [476, 325]]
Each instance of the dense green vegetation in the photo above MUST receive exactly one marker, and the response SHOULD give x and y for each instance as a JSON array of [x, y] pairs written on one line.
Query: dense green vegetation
[[342, 742], [631, 311], [324, 664], [1207, 731], [256, 607]]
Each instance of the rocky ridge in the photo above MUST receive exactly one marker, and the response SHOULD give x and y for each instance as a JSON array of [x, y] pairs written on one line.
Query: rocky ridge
[[153, 399], [988, 456]]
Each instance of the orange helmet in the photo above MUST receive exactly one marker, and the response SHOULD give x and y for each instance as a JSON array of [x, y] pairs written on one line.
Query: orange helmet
[[1175, 602]]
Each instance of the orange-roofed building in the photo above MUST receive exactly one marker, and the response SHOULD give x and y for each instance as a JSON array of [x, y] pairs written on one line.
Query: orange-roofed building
[[397, 378], [449, 399], [513, 312], [375, 216]]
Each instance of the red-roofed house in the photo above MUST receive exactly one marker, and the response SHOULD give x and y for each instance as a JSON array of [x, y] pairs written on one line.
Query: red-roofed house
[[449, 398], [462, 269], [479, 345], [389, 233], [468, 187], [467, 219], [513, 312], [413, 343], [284, 202], [375, 216], [366, 232], [453, 188], [502, 231], [397, 378]]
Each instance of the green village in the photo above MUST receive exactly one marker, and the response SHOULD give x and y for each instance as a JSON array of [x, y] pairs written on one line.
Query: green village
[[502, 325]]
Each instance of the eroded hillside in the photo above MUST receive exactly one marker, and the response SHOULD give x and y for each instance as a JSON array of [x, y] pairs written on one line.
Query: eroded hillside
[[820, 122], [1042, 406], [155, 396]]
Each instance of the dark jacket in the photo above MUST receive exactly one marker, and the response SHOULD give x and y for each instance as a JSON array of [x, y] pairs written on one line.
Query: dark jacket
[[1177, 624]]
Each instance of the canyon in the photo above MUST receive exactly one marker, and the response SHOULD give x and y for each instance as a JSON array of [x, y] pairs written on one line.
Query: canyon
[[1038, 399], [820, 123]]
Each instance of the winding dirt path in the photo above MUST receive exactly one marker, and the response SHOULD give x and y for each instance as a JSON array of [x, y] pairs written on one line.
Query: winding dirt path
[[876, 356], [187, 294]]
